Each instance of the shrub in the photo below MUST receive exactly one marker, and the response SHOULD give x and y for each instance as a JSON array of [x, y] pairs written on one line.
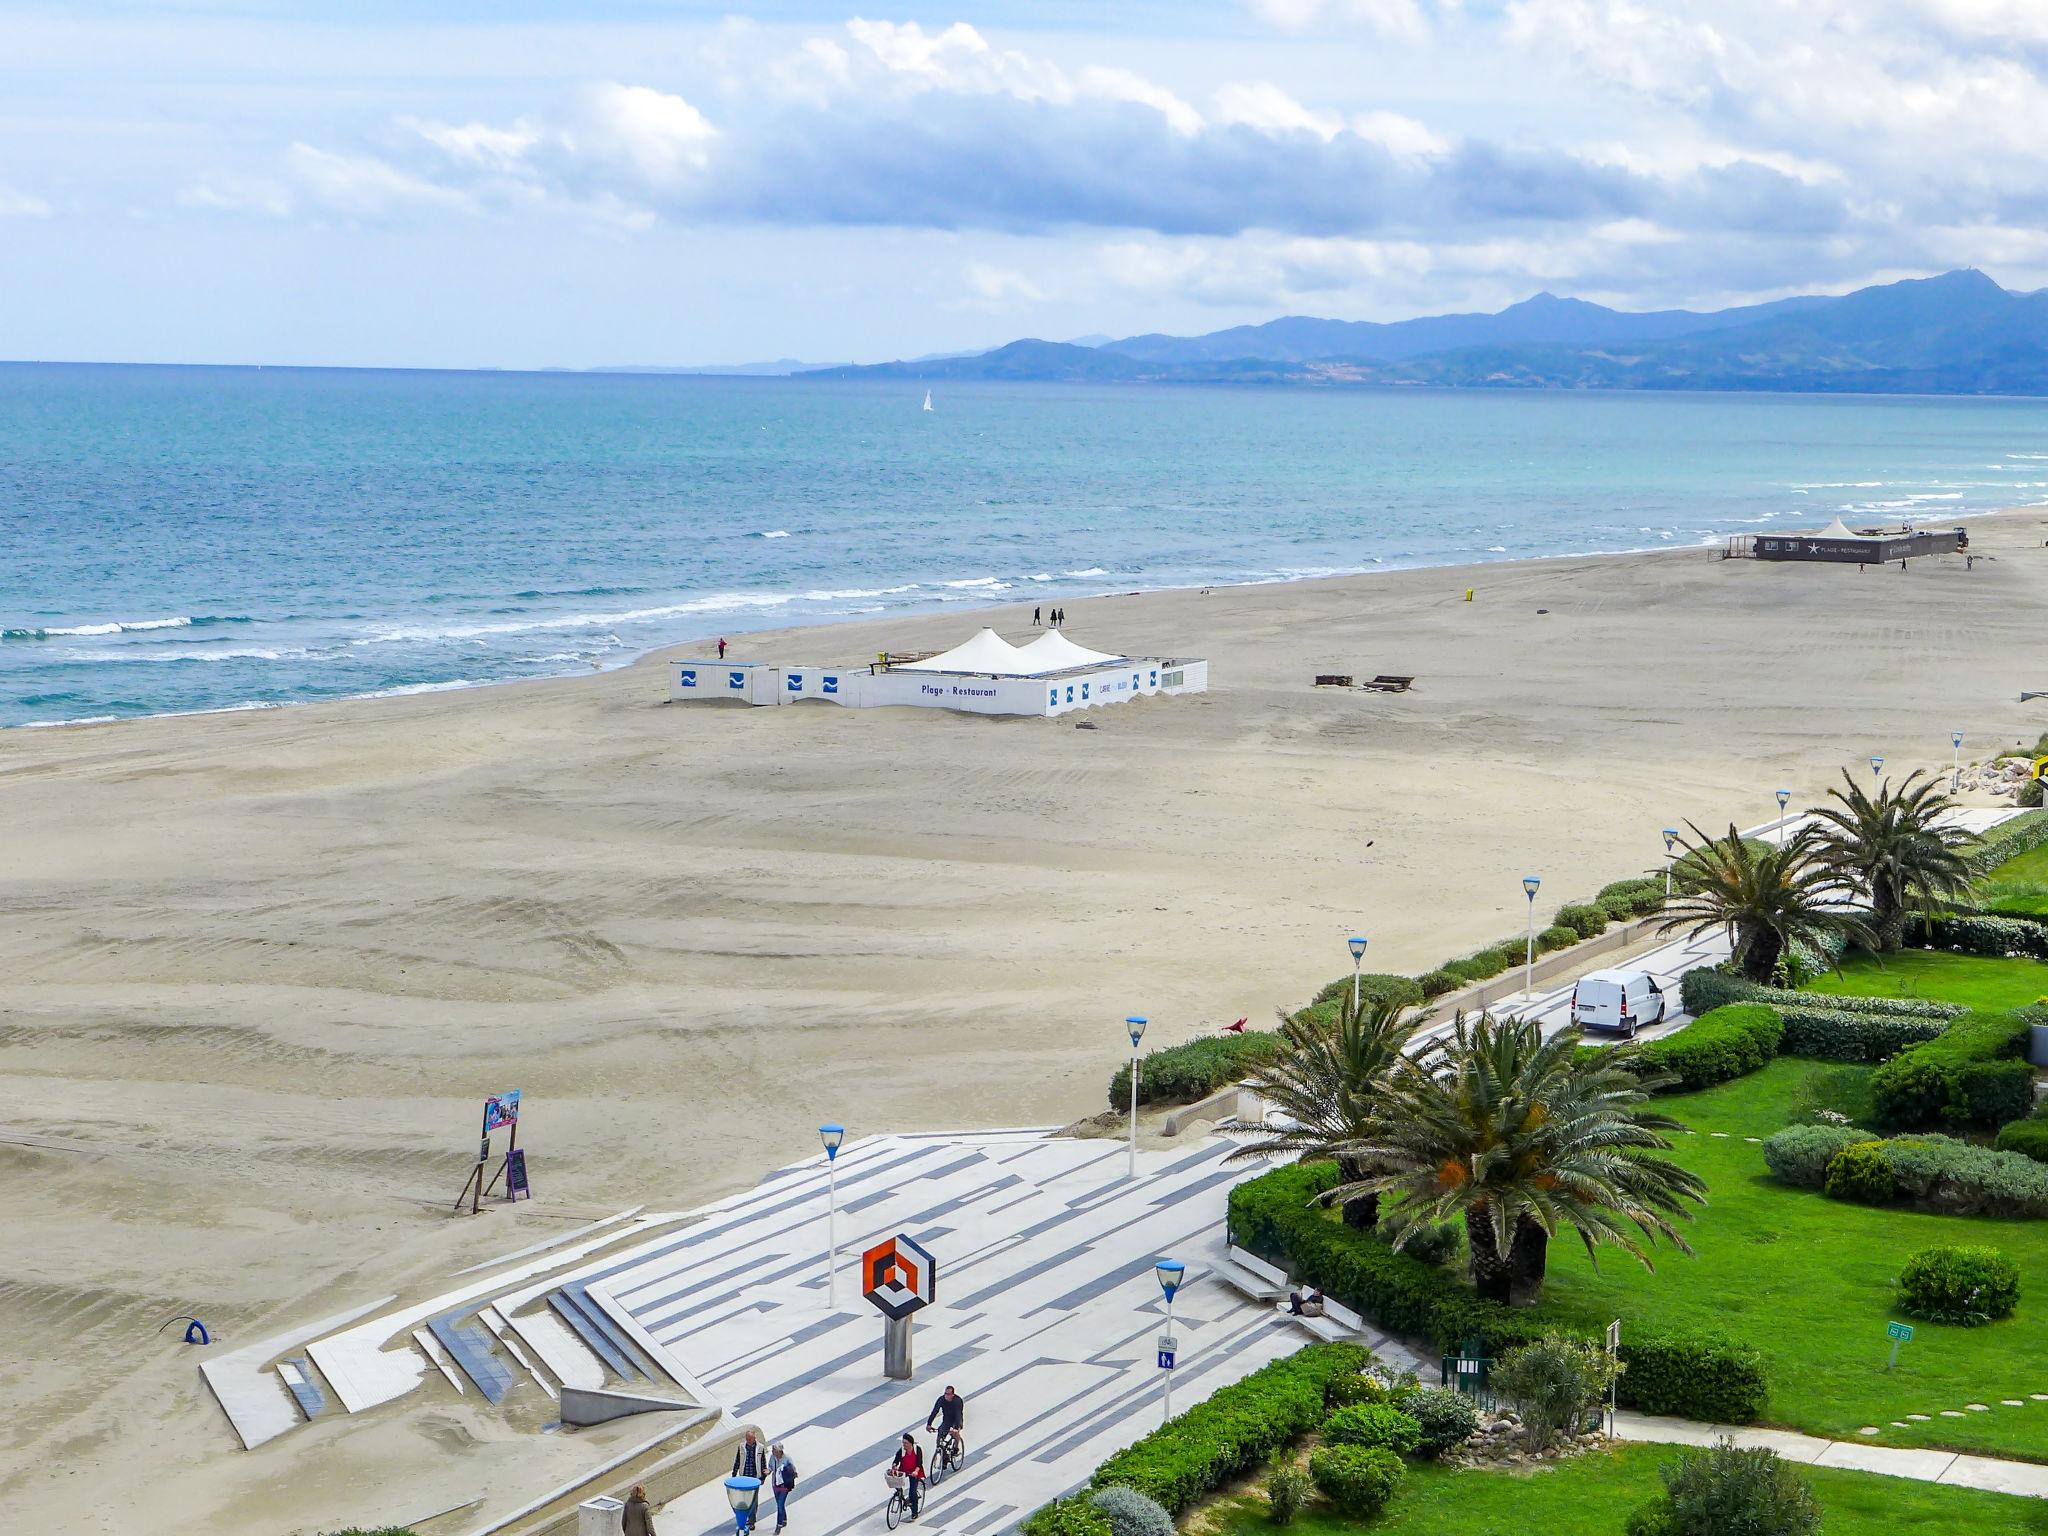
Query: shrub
[[1800, 1154], [1483, 965], [1131, 1513], [1287, 1489], [2008, 840], [1941, 1174], [1436, 1244], [1963, 1284], [1181, 1074], [1446, 1418], [1437, 983], [1233, 1431], [1374, 1425], [1835, 1034], [1969, 1075], [1553, 1383], [1066, 1517], [1343, 1391], [1699, 1376], [1582, 917], [1373, 985], [1979, 935], [1726, 1489], [2029, 1138], [1358, 1480], [1861, 1172], [1731, 1041], [1706, 987], [1550, 940]]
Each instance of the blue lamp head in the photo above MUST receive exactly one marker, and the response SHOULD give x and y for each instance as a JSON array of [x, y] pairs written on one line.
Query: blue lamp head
[[832, 1136], [1876, 763], [1784, 795], [1670, 838], [1955, 739], [1357, 947], [1170, 1272], [1529, 884], [1136, 1025], [740, 1493]]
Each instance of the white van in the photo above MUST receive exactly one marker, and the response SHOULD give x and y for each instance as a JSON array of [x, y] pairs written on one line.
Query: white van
[[1624, 1001]]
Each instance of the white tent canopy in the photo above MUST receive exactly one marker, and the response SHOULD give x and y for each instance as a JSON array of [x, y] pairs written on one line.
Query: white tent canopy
[[1838, 530], [986, 652], [1054, 652]]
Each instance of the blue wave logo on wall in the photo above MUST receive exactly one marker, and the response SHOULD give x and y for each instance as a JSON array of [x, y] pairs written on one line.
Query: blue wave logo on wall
[[738, 679], [796, 682], [1052, 696], [831, 685], [1084, 690], [687, 677]]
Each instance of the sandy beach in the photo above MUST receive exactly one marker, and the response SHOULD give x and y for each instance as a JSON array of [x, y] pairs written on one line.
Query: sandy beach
[[261, 968]]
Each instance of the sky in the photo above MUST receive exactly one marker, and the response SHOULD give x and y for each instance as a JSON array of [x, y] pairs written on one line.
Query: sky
[[523, 183]]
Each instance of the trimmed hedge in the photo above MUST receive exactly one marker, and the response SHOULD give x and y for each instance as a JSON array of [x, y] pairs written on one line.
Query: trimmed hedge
[[1584, 918], [1929, 1172], [2008, 840], [1549, 940], [1707, 987], [1182, 1074], [1697, 1376], [1729, 1042], [1373, 985], [2008, 937], [1861, 1172], [1800, 1154], [1067, 1517], [1229, 1434], [1357, 1479], [1438, 982], [2029, 1138], [1967, 1284], [1972, 1075], [1376, 1426]]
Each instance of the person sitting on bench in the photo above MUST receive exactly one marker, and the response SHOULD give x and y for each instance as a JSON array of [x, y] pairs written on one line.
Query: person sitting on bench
[[1310, 1305]]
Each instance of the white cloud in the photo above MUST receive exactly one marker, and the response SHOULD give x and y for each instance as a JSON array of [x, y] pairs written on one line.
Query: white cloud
[[1001, 287], [1262, 105], [656, 134], [363, 186], [19, 205]]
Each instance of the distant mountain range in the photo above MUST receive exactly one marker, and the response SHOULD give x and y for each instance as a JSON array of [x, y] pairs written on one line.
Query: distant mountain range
[[1959, 333]]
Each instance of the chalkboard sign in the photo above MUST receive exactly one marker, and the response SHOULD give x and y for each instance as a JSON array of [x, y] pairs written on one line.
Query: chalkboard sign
[[515, 1175]]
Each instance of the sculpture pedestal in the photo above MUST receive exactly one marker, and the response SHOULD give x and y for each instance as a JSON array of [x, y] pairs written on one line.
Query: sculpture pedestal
[[896, 1348]]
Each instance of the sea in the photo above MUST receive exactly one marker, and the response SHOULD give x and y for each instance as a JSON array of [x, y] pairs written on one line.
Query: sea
[[193, 539]]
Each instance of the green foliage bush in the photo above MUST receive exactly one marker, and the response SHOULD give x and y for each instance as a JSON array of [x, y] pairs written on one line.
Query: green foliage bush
[[1378, 1426], [1861, 1172], [1729, 1042], [1968, 1284], [1584, 918], [1969, 1075], [1551, 939], [1800, 1154], [1726, 1490], [1231, 1432], [1435, 1244], [1131, 1513], [1287, 1489], [1951, 1177], [1480, 966], [1553, 1383], [1066, 1517], [1700, 1376], [1640, 896], [1181, 1074], [1705, 987], [1447, 1418], [1358, 1480], [1373, 985], [1436, 983], [2012, 937], [2007, 840], [2029, 1138], [1343, 1391]]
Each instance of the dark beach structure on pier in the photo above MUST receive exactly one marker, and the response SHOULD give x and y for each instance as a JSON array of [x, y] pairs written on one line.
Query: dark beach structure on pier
[[1838, 544]]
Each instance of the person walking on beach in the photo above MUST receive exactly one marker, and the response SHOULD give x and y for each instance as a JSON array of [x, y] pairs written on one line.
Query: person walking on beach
[[638, 1519], [1034, 617], [751, 1460], [721, 647], [782, 1480], [910, 1463]]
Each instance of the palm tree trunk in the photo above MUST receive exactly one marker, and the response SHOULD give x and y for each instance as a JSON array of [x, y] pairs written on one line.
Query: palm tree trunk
[[1491, 1277], [1360, 1211], [1528, 1257], [1890, 915]]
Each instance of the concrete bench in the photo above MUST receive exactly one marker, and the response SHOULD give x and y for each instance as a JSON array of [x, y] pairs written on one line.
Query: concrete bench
[[1337, 1323], [1245, 1281]]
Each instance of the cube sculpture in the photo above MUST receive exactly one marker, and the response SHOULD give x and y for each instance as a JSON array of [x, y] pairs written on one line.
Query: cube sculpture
[[901, 1278]]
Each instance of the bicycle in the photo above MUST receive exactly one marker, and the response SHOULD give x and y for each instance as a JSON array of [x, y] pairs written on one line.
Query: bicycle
[[947, 1456], [899, 1499]]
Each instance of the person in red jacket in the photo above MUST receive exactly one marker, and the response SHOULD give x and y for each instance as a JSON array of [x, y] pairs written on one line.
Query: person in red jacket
[[910, 1462]]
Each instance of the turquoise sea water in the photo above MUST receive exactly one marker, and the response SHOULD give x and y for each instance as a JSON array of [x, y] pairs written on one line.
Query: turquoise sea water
[[189, 538]]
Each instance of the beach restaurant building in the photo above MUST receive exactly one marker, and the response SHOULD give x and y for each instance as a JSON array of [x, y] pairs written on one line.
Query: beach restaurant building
[[985, 676]]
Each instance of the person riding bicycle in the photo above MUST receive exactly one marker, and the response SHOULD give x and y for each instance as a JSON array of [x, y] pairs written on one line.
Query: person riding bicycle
[[949, 1412], [910, 1463]]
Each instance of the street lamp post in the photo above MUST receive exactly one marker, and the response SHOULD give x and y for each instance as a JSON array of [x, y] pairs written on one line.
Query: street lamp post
[[1876, 767], [832, 1136], [1170, 1273], [1529, 885], [1670, 857], [1955, 762], [1136, 1025], [1784, 798], [743, 1494], [1357, 962]]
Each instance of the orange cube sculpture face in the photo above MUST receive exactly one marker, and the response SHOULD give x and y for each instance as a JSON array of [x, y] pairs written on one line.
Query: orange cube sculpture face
[[899, 1277]]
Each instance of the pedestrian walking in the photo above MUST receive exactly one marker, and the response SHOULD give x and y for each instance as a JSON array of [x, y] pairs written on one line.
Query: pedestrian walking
[[1034, 617], [638, 1519], [781, 1478], [721, 647], [910, 1462], [750, 1459]]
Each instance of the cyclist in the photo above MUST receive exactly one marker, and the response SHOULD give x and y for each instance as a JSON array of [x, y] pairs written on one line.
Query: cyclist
[[910, 1462], [949, 1412]]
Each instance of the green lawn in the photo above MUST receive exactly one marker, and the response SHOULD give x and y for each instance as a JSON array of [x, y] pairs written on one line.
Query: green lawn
[[2017, 885], [1592, 1495], [1808, 1280], [1974, 980]]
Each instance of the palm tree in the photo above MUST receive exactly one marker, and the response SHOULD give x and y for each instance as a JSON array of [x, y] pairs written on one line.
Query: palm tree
[[1327, 1081], [1895, 848], [1510, 1131], [1768, 899]]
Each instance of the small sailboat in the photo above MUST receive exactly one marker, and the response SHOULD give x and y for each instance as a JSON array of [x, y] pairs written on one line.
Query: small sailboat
[[927, 399]]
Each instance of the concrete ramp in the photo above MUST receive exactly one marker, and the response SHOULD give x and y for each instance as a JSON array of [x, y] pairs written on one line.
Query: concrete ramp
[[584, 1406]]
